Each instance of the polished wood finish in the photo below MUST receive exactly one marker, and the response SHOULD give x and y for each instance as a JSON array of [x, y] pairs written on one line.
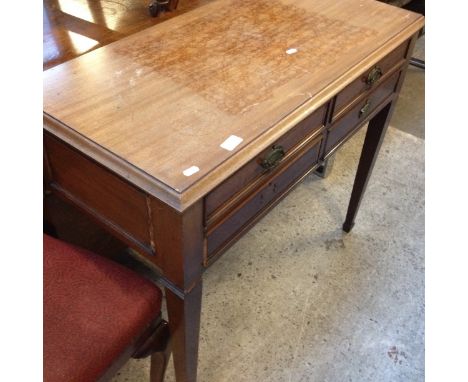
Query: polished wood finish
[[353, 117], [184, 321], [374, 138], [133, 116], [264, 192], [153, 342], [359, 86], [74, 27], [247, 85], [158, 346], [179, 240], [253, 170], [122, 206]]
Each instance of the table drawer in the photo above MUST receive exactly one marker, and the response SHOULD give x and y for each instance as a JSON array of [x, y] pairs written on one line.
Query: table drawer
[[371, 78], [264, 195], [253, 169], [353, 118]]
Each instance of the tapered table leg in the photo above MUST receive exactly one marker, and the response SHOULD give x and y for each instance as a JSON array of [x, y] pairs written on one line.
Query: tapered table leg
[[173, 5], [374, 137], [184, 323], [325, 168], [179, 240]]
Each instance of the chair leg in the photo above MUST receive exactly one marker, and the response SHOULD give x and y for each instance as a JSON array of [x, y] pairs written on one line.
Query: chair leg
[[325, 168], [157, 343], [159, 363], [49, 229], [421, 64], [157, 6]]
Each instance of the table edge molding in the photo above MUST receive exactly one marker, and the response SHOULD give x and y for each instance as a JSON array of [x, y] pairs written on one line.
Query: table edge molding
[[180, 201]]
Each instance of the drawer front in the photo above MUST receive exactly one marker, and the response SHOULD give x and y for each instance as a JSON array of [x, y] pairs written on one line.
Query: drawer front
[[371, 78], [253, 170], [105, 195], [353, 118], [264, 196]]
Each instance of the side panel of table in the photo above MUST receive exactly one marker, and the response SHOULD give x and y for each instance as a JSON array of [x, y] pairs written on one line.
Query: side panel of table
[[170, 241], [111, 200]]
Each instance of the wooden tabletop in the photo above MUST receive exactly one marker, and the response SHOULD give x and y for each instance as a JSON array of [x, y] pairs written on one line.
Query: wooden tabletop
[[178, 107]]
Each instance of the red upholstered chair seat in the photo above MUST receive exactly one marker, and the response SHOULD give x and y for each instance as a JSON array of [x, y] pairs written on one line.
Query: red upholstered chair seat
[[93, 310]]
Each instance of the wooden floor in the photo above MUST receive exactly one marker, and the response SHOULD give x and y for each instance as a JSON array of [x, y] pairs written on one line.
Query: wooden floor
[[74, 27]]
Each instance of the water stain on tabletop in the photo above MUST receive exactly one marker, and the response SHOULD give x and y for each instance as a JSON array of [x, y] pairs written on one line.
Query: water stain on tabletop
[[200, 55]]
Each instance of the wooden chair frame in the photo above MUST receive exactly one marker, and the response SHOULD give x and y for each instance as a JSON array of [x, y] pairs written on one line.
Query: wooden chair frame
[[154, 342]]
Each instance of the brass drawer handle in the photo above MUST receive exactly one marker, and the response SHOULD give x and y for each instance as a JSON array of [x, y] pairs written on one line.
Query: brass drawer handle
[[273, 158], [373, 76], [365, 109]]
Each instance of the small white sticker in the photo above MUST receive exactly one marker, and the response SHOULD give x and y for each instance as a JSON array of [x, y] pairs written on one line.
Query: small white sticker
[[190, 171], [231, 143], [291, 51]]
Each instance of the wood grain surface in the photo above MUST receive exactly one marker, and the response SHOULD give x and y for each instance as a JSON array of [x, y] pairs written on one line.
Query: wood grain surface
[[162, 101], [74, 27]]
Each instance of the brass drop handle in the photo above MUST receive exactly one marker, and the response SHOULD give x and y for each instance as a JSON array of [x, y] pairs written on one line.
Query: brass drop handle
[[365, 109], [373, 76], [273, 158]]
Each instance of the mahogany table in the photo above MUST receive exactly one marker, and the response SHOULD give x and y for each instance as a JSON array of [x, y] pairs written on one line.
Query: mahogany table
[[178, 138]]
